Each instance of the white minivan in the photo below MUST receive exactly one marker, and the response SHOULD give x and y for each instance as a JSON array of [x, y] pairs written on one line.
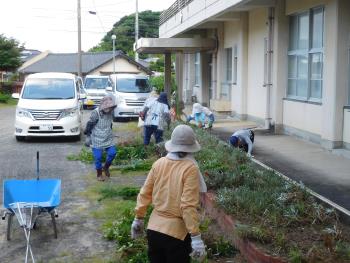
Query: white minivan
[[130, 91], [49, 105]]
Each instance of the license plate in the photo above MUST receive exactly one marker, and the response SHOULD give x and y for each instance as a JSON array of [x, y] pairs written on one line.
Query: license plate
[[46, 127]]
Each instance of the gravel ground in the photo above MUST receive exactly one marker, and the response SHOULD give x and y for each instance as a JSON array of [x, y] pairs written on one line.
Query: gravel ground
[[78, 232]]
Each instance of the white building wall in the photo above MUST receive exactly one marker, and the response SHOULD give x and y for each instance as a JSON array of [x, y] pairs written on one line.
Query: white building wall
[[256, 93], [121, 66]]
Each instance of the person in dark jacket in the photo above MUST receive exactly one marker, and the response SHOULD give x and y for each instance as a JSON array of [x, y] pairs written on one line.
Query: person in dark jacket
[[99, 135]]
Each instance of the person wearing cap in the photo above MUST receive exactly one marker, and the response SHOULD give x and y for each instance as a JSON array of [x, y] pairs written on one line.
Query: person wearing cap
[[243, 139], [99, 135], [156, 118], [200, 114], [173, 186]]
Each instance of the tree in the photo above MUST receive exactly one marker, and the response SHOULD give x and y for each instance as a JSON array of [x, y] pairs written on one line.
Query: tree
[[10, 52], [124, 29]]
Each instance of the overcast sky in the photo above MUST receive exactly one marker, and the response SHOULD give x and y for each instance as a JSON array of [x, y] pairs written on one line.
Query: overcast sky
[[52, 24]]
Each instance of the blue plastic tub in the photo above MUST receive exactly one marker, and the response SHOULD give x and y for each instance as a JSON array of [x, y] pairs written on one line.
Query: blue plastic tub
[[45, 193]]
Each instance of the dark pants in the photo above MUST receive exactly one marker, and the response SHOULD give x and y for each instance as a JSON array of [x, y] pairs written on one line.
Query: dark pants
[[166, 249], [149, 130]]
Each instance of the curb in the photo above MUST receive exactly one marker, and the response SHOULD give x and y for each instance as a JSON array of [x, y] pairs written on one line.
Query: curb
[[227, 224]]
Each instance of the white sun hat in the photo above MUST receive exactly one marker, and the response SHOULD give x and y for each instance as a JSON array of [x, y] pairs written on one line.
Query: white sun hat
[[183, 139]]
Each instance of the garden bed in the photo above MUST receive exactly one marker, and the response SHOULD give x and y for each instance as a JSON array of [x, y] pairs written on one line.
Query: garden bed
[[258, 210]]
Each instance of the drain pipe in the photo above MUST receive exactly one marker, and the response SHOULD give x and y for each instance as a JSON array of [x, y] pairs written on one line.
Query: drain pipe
[[268, 84]]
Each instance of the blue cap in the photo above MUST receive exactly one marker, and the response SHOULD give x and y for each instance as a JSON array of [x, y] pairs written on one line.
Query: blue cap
[[234, 141]]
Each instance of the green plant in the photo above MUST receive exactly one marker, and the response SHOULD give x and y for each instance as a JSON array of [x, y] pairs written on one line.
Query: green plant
[[4, 98], [257, 233], [295, 255], [111, 191]]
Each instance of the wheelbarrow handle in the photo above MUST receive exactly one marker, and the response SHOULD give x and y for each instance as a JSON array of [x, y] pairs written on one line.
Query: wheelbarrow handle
[[37, 165]]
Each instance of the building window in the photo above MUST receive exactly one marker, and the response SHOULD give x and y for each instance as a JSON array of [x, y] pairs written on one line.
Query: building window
[[197, 69], [305, 55], [235, 65]]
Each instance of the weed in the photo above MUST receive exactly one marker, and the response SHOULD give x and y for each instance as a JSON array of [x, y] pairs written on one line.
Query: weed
[[256, 233], [295, 255], [110, 191]]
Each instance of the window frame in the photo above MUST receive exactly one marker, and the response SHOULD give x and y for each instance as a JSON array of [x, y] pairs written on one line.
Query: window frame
[[306, 52], [197, 67]]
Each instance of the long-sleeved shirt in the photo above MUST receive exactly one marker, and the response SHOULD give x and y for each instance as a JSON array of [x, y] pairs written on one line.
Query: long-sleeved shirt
[[244, 135], [172, 186]]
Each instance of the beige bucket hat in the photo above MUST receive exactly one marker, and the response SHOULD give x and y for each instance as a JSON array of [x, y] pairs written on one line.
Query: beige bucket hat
[[183, 139], [107, 102]]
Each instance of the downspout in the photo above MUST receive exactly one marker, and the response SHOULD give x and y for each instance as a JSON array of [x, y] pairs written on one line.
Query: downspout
[[268, 85]]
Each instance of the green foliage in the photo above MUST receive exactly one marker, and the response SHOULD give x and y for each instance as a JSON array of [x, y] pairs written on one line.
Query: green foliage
[[257, 233], [85, 155], [9, 54], [129, 250], [136, 165], [4, 97], [124, 30], [157, 66], [111, 191], [343, 249], [295, 255], [158, 83]]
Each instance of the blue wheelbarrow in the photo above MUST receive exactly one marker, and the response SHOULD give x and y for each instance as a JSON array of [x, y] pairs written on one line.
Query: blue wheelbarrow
[[38, 195]]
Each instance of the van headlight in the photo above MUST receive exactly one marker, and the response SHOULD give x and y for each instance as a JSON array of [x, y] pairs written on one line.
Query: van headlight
[[69, 112], [21, 112]]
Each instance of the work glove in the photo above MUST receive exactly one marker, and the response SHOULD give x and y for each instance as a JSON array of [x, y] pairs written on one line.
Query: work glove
[[137, 228], [87, 141], [249, 155], [198, 248]]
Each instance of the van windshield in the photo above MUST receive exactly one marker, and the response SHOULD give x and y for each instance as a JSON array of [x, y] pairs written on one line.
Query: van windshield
[[133, 85], [96, 83], [50, 88]]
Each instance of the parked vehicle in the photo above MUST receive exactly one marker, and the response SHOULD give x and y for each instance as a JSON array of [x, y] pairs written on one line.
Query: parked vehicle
[[95, 88], [130, 91], [49, 105]]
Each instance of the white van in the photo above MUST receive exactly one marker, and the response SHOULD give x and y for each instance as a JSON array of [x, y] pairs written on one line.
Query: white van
[[130, 91], [49, 106], [95, 89]]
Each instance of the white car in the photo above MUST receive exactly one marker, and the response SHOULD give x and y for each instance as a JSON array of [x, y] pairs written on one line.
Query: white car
[[131, 92], [49, 105], [95, 88]]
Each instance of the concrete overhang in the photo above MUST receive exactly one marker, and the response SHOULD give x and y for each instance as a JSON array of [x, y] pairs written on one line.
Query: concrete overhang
[[173, 45]]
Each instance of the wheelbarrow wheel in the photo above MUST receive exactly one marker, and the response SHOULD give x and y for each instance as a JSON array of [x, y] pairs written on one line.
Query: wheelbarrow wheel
[[9, 224]]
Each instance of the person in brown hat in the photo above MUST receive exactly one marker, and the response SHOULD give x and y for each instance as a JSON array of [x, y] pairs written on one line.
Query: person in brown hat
[[172, 186], [99, 135]]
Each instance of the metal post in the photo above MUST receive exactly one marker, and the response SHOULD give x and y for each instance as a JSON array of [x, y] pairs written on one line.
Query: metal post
[[113, 39], [79, 41], [137, 28]]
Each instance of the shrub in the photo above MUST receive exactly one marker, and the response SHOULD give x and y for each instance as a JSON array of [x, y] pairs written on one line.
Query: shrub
[[4, 97]]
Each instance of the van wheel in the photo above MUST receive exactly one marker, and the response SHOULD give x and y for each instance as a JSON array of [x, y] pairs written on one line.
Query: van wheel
[[20, 138]]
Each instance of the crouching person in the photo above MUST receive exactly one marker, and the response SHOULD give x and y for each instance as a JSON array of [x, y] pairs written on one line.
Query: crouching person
[[201, 115], [173, 186], [99, 134], [243, 139]]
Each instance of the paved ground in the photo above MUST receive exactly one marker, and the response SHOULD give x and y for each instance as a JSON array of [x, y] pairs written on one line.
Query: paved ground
[[325, 173], [79, 236]]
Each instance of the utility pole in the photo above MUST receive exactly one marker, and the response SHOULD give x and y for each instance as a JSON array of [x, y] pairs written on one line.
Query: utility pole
[[137, 28], [79, 40]]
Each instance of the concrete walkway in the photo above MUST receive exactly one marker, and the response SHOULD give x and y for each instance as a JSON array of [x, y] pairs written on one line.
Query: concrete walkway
[[325, 173]]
